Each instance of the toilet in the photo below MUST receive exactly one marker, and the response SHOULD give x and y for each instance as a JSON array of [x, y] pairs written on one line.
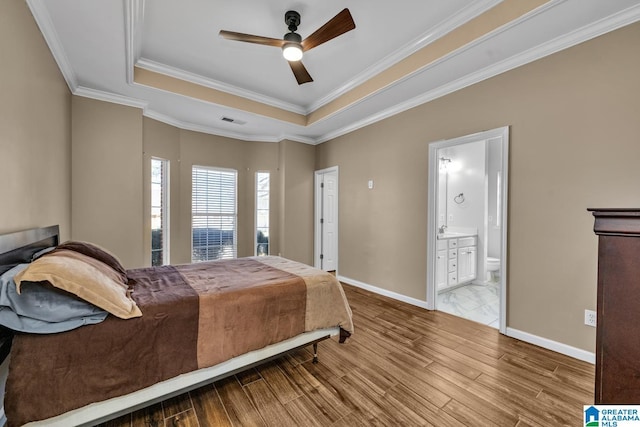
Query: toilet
[[493, 268]]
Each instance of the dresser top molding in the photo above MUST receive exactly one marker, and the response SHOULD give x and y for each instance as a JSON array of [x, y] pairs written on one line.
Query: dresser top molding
[[616, 222]]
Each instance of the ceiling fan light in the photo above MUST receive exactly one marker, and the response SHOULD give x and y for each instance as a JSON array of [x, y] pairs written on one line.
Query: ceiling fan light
[[292, 52]]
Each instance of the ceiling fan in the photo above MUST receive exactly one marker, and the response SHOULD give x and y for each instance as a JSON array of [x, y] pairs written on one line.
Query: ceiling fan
[[292, 44]]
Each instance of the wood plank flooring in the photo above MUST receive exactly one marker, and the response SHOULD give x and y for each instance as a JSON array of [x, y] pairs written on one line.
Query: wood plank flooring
[[402, 366]]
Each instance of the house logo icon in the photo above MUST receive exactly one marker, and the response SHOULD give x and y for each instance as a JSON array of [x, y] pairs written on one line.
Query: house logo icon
[[591, 417]]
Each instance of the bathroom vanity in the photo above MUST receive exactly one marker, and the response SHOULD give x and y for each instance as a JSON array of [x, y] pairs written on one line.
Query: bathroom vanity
[[456, 259], [618, 315]]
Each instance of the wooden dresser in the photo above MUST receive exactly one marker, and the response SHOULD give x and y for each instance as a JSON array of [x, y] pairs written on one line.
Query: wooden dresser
[[618, 321]]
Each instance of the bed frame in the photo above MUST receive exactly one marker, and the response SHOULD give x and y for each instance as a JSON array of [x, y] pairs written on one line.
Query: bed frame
[[20, 246]]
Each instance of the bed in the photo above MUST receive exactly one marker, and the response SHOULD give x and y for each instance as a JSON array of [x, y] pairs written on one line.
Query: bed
[[167, 330]]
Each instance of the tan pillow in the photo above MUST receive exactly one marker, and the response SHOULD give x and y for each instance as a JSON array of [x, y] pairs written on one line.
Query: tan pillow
[[85, 277]]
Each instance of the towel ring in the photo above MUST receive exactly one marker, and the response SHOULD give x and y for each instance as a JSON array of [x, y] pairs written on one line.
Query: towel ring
[[459, 199]]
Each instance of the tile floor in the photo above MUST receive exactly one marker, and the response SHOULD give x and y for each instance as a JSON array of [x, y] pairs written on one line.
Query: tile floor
[[479, 303]]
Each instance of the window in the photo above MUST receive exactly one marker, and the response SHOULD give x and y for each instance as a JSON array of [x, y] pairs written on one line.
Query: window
[[213, 213], [262, 213], [159, 212]]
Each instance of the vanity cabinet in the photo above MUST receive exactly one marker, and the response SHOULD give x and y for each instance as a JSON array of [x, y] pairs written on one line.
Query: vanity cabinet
[[618, 312], [467, 264], [456, 261]]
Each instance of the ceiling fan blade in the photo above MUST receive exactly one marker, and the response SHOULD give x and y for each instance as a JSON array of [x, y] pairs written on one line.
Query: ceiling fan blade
[[336, 26], [249, 38], [301, 73]]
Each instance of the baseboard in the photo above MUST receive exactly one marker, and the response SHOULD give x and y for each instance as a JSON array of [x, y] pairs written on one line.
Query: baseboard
[[558, 347], [384, 292]]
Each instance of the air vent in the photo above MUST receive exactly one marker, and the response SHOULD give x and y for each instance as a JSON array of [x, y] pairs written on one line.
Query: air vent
[[234, 121]]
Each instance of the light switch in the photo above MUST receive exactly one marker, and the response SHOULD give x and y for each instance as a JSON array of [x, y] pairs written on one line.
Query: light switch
[[370, 184]]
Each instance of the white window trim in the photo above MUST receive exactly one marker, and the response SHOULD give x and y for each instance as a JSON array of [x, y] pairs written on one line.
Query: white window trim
[[255, 213], [165, 209]]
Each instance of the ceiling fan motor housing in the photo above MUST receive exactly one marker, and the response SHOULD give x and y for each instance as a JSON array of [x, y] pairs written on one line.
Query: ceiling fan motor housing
[[292, 19], [293, 38]]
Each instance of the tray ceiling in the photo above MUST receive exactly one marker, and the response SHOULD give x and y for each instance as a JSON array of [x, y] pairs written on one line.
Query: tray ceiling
[[167, 58]]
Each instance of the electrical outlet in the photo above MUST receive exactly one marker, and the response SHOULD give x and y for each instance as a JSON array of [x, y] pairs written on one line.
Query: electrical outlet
[[590, 318]]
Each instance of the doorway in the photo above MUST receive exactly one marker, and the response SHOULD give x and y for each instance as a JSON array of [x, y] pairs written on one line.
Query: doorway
[[326, 219], [467, 226]]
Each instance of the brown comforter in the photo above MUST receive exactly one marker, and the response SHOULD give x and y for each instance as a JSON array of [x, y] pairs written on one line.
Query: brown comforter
[[194, 316]]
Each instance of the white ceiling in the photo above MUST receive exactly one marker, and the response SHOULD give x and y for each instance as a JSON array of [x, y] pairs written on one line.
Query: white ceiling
[[96, 44]]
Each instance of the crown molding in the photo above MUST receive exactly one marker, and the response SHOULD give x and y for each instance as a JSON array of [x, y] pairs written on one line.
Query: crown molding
[[152, 114], [43, 20], [418, 43], [109, 97], [573, 38], [157, 67], [222, 132], [298, 138]]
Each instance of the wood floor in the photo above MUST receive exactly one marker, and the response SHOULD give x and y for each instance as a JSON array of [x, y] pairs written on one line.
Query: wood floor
[[402, 366]]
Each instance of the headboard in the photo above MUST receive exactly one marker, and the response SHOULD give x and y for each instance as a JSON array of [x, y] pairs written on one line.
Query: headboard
[[20, 246]]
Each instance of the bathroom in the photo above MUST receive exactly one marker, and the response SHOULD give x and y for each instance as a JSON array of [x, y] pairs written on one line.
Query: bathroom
[[469, 230]]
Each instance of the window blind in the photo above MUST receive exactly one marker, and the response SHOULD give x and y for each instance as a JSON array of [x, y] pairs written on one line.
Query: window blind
[[214, 213]]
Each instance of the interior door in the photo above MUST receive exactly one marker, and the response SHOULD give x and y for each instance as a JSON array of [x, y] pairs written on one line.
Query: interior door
[[326, 256]]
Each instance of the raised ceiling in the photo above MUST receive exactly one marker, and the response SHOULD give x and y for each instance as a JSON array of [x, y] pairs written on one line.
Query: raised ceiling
[[166, 56]]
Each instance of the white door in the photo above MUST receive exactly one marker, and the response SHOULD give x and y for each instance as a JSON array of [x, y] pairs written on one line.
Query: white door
[[326, 218]]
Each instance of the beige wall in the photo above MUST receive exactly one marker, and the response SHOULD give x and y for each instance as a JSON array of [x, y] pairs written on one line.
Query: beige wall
[[297, 163], [35, 128], [574, 144], [382, 231], [106, 171]]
